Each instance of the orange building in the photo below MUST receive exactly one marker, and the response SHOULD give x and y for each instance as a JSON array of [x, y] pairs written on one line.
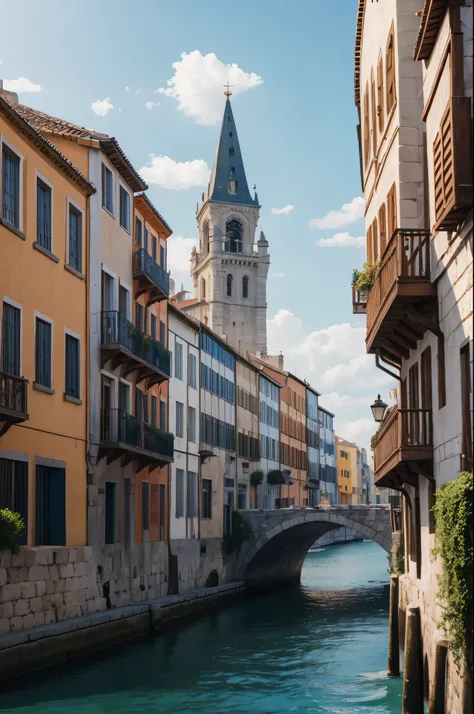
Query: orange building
[[43, 333]]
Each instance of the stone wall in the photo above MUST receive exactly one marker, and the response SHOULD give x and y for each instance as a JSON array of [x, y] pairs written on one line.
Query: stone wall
[[134, 575], [40, 586], [197, 559]]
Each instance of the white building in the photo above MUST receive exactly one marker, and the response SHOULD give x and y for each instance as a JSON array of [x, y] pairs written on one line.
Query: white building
[[184, 419], [269, 398]]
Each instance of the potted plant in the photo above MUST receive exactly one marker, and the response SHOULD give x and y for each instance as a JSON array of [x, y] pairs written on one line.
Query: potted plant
[[363, 280], [256, 478], [275, 477]]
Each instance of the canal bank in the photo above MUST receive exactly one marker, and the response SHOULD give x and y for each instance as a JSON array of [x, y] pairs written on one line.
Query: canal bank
[[318, 647]]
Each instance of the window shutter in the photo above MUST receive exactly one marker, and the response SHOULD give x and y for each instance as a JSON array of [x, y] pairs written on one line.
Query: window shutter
[[366, 127], [370, 256], [443, 164], [383, 228], [375, 240], [11, 339], [380, 97], [154, 505], [374, 113]]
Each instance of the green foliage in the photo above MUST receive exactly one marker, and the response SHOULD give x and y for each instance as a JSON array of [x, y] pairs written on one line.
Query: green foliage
[[12, 527], [256, 478], [240, 532], [275, 477], [453, 513], [397, 566], [364, 279], [374, 438]]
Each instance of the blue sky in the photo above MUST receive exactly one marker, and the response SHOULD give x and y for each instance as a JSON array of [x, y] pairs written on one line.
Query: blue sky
[[296, 119]]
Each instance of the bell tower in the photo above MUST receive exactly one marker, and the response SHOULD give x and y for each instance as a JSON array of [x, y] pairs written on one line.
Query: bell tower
[[229, 271]]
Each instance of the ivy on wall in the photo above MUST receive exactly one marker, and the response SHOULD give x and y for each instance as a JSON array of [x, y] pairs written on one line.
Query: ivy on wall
[[12, 527], [240, 532], [453, 513]]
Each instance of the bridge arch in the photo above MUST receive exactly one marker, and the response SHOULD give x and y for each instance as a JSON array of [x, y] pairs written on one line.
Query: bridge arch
[[280, 539]]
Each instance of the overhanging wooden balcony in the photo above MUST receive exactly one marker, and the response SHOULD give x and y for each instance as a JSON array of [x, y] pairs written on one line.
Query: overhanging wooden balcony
[[125, 346], [404, 447], [151, 278], [402, 303], [13, 401], [124, 436]]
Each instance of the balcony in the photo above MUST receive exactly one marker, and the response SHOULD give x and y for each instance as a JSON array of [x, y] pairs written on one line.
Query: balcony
[[13, 401], [125, 346], [123, 436], [359, 301], [151, 277], [402, 303], [404, 447]]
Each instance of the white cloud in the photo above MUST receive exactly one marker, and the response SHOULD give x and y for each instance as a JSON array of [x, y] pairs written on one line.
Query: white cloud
[[21, 85], [335, 363], [197, 85], [179, 255], [150, 105], [278, 275], [177, 175], [127, 89], [349, 213], [341, 240], [102, 106], [137, 91], [285, 211]]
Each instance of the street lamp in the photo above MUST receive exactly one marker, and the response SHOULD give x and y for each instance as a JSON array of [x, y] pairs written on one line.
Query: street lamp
[[378, 409]]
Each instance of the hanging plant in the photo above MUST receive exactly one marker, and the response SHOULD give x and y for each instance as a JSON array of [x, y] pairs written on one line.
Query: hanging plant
[[275, 477], [364, 280], [256, 478], [453, 513]]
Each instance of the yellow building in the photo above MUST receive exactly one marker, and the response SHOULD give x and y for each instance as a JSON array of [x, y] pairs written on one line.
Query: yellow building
[[349, 471], [43, 333]]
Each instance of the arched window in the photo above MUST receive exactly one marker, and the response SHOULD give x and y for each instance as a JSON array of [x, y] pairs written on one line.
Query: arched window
[[245, 287], [205, 237], [203, 289], [229, 285], [231, 151], [233, 234]]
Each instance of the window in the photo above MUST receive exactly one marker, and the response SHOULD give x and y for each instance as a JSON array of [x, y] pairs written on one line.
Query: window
[[109, 512], [205, 237], [233, 186], [124, 209], [153, 410], [374, 113], [245, 287], [75, 238], [441, 374], [43, 214], [203, 289], [10, 186], [192, 370], [375, 240], [161, 511], [392, 211], [145, 407], [242, 497], [124, 397], [380, 102], [11, 339], [107, 189], [466, 388], [179, 419], [145, 506], [162, 415], [153, 247], [50, 494], [138, 232], [153, 323], [382, 228], [153, 504], [179, 506], [426, 383], [162, 333], [366, 137], [231, 151], [124, 301], [390, 72], [139, 316], [369, 245], [14, 489], [191, 495], [43, 353], [229, 285], [163, 257], [72, 367], [192, 425], [233, 234], [145, 238], [178, 363], [206, 498]]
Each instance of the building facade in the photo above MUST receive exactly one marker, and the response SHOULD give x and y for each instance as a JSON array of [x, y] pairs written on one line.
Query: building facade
[[269, 410], [327, 457], [248, 441], [416, 165], [347, 469], [313, 448]]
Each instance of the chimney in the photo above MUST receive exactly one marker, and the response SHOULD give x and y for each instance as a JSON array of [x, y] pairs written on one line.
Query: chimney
[[11, 97]]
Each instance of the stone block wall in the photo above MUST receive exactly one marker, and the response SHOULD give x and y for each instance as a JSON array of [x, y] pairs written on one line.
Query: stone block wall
[[39, 586]]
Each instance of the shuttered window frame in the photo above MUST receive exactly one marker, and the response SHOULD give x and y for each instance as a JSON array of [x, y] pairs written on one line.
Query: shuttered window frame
[[75, 242], [43, 351], [72, 366], [11, 339], [44, 213], [390, 89], [12, 185]]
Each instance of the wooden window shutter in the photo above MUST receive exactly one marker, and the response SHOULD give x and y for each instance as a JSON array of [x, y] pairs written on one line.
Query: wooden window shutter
[[366, 127], [390, 72], [154, 502], [380, 97], [374, 112], [383, 228], [370, 254], [392, 211], [375, 240]]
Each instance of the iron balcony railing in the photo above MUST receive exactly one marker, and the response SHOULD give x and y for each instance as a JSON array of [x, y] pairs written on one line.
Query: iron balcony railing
[[117, 330], [118, 426], [146, 265], [13, 393]]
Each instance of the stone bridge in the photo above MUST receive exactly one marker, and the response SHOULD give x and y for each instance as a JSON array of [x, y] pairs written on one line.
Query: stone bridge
[[281, 538]]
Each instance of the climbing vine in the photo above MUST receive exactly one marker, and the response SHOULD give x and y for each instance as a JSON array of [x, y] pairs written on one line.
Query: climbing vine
[[12, 528], [453, 513], [240, 532]]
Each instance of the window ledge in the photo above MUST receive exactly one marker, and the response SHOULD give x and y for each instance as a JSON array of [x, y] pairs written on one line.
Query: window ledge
[[45, 252], [109, 212], [42, 388], [127, 230], [75, 272], [73, 400], [12, 228]]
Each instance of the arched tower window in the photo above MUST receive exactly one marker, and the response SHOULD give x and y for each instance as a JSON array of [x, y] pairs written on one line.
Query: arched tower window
[[245, 286], [229, 285], [233, 234], [231, 151], [203, 289], [205, 237]]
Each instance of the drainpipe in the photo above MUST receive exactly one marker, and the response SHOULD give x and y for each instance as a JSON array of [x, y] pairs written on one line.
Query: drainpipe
[[384, 369]]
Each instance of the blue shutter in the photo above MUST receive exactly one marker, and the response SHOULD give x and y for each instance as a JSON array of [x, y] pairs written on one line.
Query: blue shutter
[[11, 339], [153, 411], [153, 327], [72, 367], [43, 353], [11, 187], [75, 239], [153, 247], [162, 415], [50, 506]]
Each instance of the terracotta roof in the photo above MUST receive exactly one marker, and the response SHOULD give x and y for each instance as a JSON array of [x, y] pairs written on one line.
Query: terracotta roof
[[431, 19], [358, 50], [47, 124], [35, 137], [187, 303], [142, 197]]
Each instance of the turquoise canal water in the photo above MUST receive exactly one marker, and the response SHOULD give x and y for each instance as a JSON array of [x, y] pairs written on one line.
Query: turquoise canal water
[[321, 647]]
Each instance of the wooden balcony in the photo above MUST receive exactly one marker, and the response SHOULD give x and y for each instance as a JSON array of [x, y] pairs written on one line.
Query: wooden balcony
[[404, 447], [359, 301], [125, 346], [151, 278], [124, 436], [402, 304], [13, 401]]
